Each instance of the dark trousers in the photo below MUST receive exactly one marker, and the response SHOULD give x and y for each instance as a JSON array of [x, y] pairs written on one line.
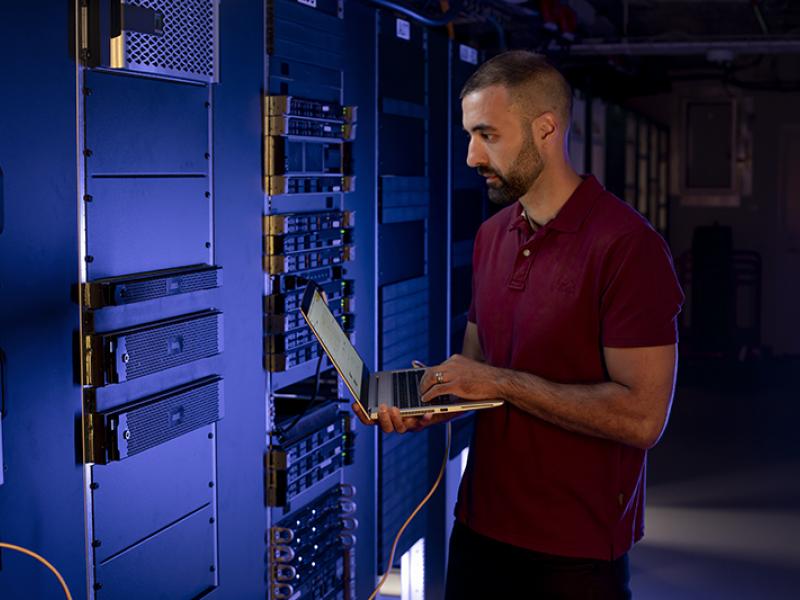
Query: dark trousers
[[480, 567]]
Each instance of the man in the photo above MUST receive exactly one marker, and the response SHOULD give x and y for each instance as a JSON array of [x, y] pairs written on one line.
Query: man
[[572, 322]]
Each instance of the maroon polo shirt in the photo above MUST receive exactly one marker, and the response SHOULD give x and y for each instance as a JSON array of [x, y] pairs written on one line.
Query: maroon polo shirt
[[547, 303]]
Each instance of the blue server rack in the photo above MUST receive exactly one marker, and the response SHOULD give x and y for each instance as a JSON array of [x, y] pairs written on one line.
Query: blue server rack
[[41, 499], [172, 174]]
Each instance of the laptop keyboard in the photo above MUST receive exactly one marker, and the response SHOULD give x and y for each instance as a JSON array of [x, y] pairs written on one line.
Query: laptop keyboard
[[406, 388]]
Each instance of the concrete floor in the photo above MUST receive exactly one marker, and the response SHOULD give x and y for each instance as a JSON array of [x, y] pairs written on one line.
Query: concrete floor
[[723, 516]]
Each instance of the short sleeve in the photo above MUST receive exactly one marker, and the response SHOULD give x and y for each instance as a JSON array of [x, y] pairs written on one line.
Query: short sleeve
[[472, 316], [641, 295]]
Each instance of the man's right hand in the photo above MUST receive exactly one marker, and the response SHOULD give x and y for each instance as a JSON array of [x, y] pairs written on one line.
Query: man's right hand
[[390, 420]]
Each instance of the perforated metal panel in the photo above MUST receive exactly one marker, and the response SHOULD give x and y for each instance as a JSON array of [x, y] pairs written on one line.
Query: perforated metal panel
[[119, 356], [159, 287], [169, 417], [158, 348], [115, 291], [187, 49]]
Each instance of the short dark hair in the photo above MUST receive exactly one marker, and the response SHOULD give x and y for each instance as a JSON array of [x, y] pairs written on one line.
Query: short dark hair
[[533, 82]]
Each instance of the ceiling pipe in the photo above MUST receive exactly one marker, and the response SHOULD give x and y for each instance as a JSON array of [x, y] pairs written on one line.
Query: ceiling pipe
[[738, 47]]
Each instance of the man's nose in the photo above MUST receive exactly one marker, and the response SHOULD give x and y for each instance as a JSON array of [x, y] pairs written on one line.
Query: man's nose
[[476, 155]]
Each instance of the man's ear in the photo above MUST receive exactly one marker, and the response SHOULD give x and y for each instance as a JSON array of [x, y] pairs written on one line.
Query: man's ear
[[544, 127]]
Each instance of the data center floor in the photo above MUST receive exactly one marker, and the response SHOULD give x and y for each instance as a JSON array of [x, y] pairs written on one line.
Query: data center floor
[[723, 504]]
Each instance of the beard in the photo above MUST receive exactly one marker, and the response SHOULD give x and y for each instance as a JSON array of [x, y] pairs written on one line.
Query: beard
[[518, 179]]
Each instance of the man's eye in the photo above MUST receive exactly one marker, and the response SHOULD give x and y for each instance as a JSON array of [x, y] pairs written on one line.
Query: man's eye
[[487, 136]]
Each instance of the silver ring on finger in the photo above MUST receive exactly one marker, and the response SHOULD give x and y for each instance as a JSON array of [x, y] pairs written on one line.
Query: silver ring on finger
[[439, 377]]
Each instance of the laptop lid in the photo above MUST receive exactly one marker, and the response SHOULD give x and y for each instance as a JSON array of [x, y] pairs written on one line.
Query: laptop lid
[[337, 345]]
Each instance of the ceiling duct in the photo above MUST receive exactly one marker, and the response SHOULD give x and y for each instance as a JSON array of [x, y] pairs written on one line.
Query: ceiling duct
[[689, 48]]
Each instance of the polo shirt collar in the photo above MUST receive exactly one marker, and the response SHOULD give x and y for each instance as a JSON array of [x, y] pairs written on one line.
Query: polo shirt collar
[[574, 212]]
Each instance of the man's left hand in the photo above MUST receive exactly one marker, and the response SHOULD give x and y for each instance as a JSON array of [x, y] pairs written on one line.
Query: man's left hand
[[460, 376]]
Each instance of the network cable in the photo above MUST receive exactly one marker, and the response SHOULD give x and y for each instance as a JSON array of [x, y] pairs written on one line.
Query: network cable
[[311, 403], [42, 560], [414, 514]]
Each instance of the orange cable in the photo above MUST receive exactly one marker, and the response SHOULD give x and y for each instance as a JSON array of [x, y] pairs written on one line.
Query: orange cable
[[414, 514], [42, 560]]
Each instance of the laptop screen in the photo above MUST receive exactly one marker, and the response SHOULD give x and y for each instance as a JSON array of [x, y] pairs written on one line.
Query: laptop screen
[[335, 341]]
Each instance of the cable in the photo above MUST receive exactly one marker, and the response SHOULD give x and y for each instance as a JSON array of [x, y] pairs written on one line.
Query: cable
[[446, 18], [414, 514], [501, 34], [285, 430], [42, 560], [314, 398], [445, 6]]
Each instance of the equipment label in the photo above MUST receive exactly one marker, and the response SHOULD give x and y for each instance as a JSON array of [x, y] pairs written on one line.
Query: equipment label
[[311, 3], [467, 54], [403, 29]]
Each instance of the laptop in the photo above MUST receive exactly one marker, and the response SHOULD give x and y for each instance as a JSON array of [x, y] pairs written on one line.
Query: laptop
[[398, 388]]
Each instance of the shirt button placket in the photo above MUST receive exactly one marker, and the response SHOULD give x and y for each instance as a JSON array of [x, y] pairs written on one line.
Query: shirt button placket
[[521, 269]]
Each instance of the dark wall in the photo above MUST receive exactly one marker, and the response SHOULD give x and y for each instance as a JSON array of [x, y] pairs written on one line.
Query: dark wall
[[757, 219]]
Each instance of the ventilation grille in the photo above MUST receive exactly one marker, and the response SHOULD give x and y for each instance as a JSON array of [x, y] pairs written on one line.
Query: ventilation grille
[[140, 291], [188, 47], [404, 199], [141, 287], [317, 512], [404, 317], [169, 417], [401, 482], [153, 350]]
